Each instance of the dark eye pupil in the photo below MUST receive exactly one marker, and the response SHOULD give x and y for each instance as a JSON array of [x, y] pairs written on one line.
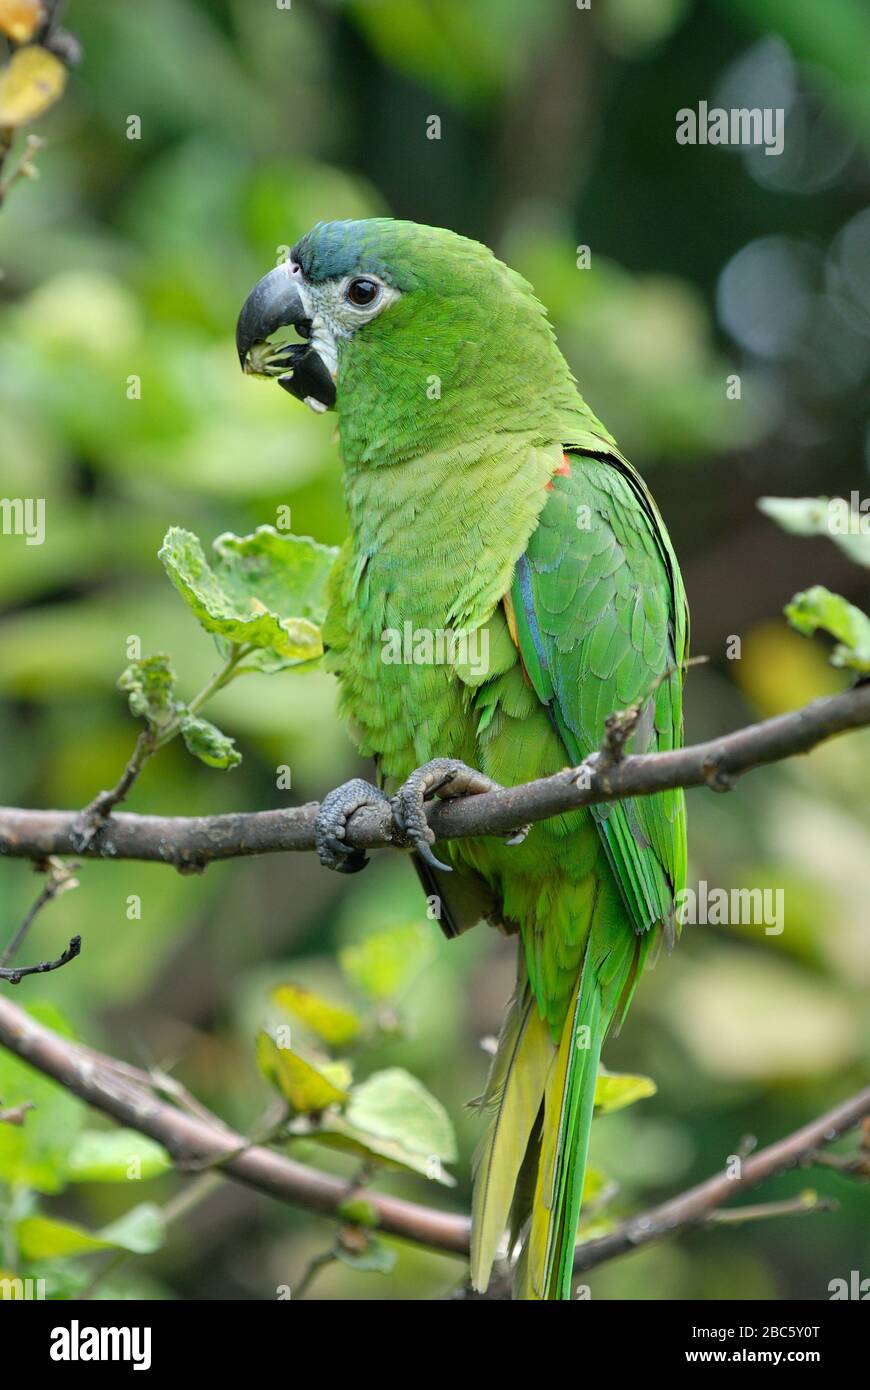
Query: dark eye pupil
[[362, 291]]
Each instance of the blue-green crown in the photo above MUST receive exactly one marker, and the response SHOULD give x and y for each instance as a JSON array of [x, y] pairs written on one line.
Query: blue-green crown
[[334, 249]]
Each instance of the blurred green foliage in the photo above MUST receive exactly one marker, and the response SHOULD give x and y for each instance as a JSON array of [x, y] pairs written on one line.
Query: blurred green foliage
[[198, 138]]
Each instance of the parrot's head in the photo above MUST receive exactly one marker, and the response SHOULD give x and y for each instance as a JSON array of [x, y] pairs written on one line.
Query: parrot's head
[[394, 318]]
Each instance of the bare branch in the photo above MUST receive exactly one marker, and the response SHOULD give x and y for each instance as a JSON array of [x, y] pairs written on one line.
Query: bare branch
[[804, 1204], [15, 973], [191, 843], [127, 1094], [60, 878], [695, 1206]]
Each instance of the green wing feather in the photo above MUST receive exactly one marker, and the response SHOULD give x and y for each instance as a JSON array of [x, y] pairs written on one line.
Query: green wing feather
[[599, 618], [602, 623]]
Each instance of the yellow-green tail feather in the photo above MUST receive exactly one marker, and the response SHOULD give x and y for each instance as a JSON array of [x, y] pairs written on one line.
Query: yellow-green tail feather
[[513, 1096], [531, 1164], [544, 1270]]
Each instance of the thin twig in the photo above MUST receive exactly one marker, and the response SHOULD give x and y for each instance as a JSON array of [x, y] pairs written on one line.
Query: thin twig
[[315, 1265], [17, 1114], [7, 135], [16, 973], [60, 878], [804, 1204], [179, 1205], [850, 1165], [96, 814]]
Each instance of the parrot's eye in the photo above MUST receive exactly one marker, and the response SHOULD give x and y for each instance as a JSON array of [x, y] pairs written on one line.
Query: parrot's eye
[[362, 292]]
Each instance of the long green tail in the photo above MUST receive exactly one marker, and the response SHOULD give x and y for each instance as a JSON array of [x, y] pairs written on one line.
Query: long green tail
[[531, 1164], [544, 1270]]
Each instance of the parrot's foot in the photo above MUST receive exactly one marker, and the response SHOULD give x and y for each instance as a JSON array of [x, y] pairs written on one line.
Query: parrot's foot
[[445, 777], [336, 809]]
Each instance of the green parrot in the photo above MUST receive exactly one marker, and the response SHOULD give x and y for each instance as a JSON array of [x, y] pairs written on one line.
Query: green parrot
[[507, 583]]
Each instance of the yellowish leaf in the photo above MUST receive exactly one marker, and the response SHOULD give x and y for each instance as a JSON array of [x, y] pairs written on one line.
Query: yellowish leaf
[[304, 1086], [41, 1238], [20, 19], [614, 1090], [335, 1025], [30, 83]]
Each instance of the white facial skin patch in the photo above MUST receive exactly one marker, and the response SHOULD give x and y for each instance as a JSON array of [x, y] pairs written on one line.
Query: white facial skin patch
[[333, 316]]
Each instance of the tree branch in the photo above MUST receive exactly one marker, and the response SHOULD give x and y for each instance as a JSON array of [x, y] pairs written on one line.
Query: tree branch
[[191, 843], [128, 1096], [696, 1206]]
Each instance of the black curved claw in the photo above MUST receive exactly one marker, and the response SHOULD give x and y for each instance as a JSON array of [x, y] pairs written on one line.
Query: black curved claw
[[447, 777], [329, 828], [420, 838], [409, 817], [342, 858], [421, 847]]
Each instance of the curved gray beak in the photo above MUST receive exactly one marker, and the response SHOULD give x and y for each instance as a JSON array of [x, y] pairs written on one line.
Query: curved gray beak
[[275, 302]]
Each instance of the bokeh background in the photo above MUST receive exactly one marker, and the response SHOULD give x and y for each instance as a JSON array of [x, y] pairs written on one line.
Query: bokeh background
[[132, 256]]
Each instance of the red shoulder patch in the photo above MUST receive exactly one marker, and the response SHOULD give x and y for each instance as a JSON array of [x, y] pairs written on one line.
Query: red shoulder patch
[[562, 471]]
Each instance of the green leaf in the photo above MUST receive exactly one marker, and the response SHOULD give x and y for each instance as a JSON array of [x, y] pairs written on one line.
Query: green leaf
[[394, 1105], [140, 1231], [287, 573], [614, 1090], [336, 1026], [334, 1131], [598, 1190], [41, 1238], [801, 516], [358, 1210], [150, 686], [206, 742], [12, 1286], [306, 1087], [392, 1116], [374, 1258], [385, 962], [266, 590], [115, 1155], [595, 1185], [34, 1154], [819, 608], [591, 1227], [833, 517]]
